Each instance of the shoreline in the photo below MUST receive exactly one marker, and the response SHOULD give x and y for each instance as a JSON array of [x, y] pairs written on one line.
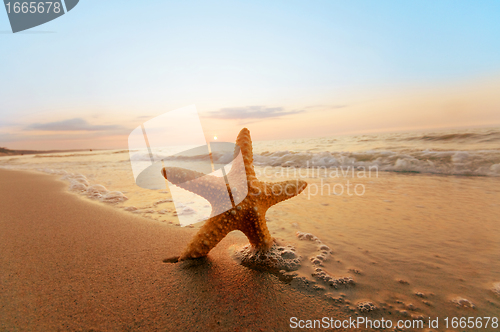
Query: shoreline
[[72, 264], [5, 152]]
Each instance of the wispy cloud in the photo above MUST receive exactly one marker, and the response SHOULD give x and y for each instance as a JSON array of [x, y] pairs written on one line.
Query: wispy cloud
[[326, 107], [75, 124], [251, 113]]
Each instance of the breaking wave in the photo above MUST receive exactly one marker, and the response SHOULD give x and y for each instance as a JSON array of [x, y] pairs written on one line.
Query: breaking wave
[[476, 163], [490, 136]]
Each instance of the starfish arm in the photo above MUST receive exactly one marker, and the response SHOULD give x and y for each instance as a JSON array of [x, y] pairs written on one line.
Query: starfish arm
[[280, 191], [243, 145], [207, 186], [209, 235]]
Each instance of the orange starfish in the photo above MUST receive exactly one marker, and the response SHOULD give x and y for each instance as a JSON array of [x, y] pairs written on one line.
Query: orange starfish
[[248, 216]]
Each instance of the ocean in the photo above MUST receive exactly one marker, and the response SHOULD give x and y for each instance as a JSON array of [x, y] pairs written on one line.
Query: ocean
[[412, 218]]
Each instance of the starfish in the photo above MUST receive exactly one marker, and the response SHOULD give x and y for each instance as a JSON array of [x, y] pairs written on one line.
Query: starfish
[[248, 216]]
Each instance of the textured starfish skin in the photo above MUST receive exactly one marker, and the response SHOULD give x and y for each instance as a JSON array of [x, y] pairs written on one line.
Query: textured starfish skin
[[248, 216]]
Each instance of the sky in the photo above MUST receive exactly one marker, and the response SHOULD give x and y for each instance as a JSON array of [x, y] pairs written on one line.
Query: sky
[[283, 69]]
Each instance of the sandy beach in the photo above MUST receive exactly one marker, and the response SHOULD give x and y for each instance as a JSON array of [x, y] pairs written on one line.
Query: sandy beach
[[67, 264]]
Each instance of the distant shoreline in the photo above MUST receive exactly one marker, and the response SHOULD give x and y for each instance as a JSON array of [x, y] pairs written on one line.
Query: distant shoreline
[[7, 152]]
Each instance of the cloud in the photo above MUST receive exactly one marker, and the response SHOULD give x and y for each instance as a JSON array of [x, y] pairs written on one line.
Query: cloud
[[251, 112], [76, 124], [326, 107]]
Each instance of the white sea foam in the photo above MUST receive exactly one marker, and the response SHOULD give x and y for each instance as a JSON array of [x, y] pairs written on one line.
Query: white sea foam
[[482, 163], [96, 191], [184, 210], [113, 197], [80, 183], [77, 186]]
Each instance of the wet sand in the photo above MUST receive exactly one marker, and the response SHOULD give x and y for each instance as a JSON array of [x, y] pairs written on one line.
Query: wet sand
[[68, 264]]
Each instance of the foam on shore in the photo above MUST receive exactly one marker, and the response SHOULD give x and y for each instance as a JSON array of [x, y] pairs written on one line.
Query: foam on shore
[[275, 259], [161, 210], [79, 183]]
